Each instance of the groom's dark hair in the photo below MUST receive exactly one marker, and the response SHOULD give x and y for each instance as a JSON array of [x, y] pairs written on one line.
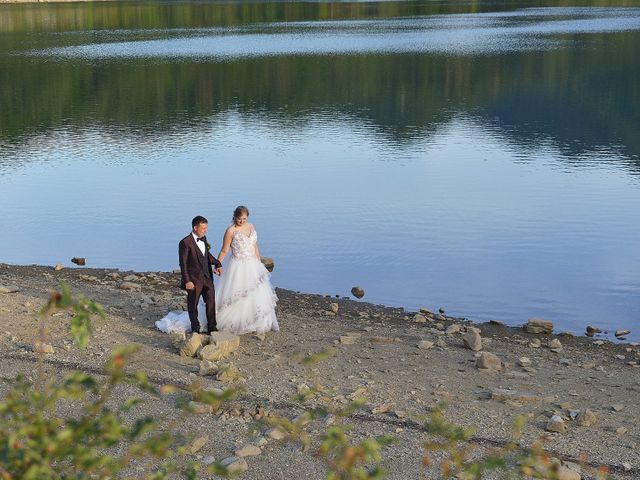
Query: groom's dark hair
[[198, 220]]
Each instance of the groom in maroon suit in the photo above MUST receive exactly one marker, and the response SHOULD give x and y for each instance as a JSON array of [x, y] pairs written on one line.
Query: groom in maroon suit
[[197, 273]]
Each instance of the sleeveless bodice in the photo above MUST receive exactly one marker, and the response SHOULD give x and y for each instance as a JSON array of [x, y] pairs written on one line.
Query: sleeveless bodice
[[244, 246]]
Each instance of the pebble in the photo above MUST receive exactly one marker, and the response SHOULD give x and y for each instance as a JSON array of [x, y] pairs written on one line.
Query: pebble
[[621, 430], [58, 267], [334, 307], [347, 339], [622, 333], [586, 418], [235, 465], [425, 345], [452, 329], [79, 260], [524, 361], [598, 342], [248, 451], [535, 343], [276, 433], [554, 344], [197, 444], [617, 408], [556, 424], [419, 318], [129, 286]]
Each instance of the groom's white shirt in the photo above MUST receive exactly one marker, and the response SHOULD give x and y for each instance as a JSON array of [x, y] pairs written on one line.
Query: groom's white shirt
[[199, 244]]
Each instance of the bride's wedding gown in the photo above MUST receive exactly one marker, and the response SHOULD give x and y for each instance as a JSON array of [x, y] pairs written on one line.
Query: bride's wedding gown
[[245, 299]]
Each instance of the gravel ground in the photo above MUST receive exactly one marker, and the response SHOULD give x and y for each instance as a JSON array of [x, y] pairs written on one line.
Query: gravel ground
[[377, 358]]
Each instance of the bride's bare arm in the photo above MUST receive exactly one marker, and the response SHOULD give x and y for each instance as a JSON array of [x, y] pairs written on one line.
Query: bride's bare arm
[[226, 243]]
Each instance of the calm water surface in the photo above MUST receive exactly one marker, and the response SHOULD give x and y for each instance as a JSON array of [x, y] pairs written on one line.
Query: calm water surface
[[480, 157]]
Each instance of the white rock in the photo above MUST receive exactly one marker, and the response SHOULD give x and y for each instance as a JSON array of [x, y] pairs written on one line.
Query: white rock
[[221, 345], [425, 345], [452, 329], [248, 451], [472, 340], [197, 445], [554, 343], [489, 361], [524, 361], [419, 318], [538, 325], [235, 465], [334, 307]]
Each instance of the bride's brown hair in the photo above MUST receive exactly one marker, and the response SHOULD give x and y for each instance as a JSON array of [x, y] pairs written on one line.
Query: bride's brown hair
[[239, 211]]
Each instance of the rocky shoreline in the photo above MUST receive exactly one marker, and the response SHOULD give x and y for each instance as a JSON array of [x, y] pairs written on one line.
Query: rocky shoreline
[[578, 393]]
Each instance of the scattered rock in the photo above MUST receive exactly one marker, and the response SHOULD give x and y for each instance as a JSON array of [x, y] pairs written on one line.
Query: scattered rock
[[9, 289], [441, 343], [276, 433], [197, 445], [524, 361], [489, 361], [228, 373], [472, 340], [235, 465], [347, 339], [617, 408], [586, 418], [129, 286], [79, 260], [622, 333], [621, 430], [565, 473], [535, 343], [380, 339], [357, 292], [598, 342], [221, 344], [419, 318], [41, 347], [453, 329], [554, 344], [58, 267], [627, 466], [334, 307], [248, 451], [383, 408], [592, 330], [504, 395], [556, 424], [191, 346], [425, 345], [200, 408], [425, 311], [538, 325], [496, 322], [441, 310], [208, 368], [268, 263]]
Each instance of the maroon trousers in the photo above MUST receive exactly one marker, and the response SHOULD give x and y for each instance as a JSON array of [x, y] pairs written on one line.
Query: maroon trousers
[[208, 295]]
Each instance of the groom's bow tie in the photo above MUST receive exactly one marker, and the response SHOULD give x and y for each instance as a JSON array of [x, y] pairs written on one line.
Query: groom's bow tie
[[201, 239]]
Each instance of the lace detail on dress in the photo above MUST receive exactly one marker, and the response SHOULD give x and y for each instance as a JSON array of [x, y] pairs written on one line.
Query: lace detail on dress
[[244, 246]]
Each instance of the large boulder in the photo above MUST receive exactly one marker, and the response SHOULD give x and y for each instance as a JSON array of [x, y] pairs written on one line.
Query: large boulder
[[472, 340], [191, 346], [357, 292], [221, 345], [489, 361]]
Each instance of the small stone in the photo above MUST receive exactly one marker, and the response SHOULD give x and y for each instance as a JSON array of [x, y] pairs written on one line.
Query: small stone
[[380, 339], [453, 329], [58, 267], [598, 342], [425, 311], [535, 343], [235, 465], [197, 445], [621, 430], [538, 325], [191, 346], [425, 345], [489, 361], [620, 357], [554, 344], [496, 322], [129, 286], [228, 373], [268, 263], [199, 407], [276, 433], [248, 451], [131, 278], [617, 408], [441, 310], [41, 347], [504, 395], [593, 330], [79, 260], [347, 339], [627, 466], [472, 340], [565, 473], [441, 343], [357, 292], [207, 368], [383, 408], [556, 424], [419, 318], [524, 361], [9, 289], [113, 276], [221, 345], [586, 418], [334, 307], [622, 333]]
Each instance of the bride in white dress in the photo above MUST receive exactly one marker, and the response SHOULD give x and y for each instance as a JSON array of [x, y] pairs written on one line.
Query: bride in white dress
[[245, 299]]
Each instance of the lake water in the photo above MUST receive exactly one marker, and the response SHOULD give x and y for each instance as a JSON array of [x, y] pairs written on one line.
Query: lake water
[[483, 157]]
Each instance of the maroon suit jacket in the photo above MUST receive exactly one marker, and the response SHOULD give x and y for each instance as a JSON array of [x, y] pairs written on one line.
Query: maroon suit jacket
[[193, 263]]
